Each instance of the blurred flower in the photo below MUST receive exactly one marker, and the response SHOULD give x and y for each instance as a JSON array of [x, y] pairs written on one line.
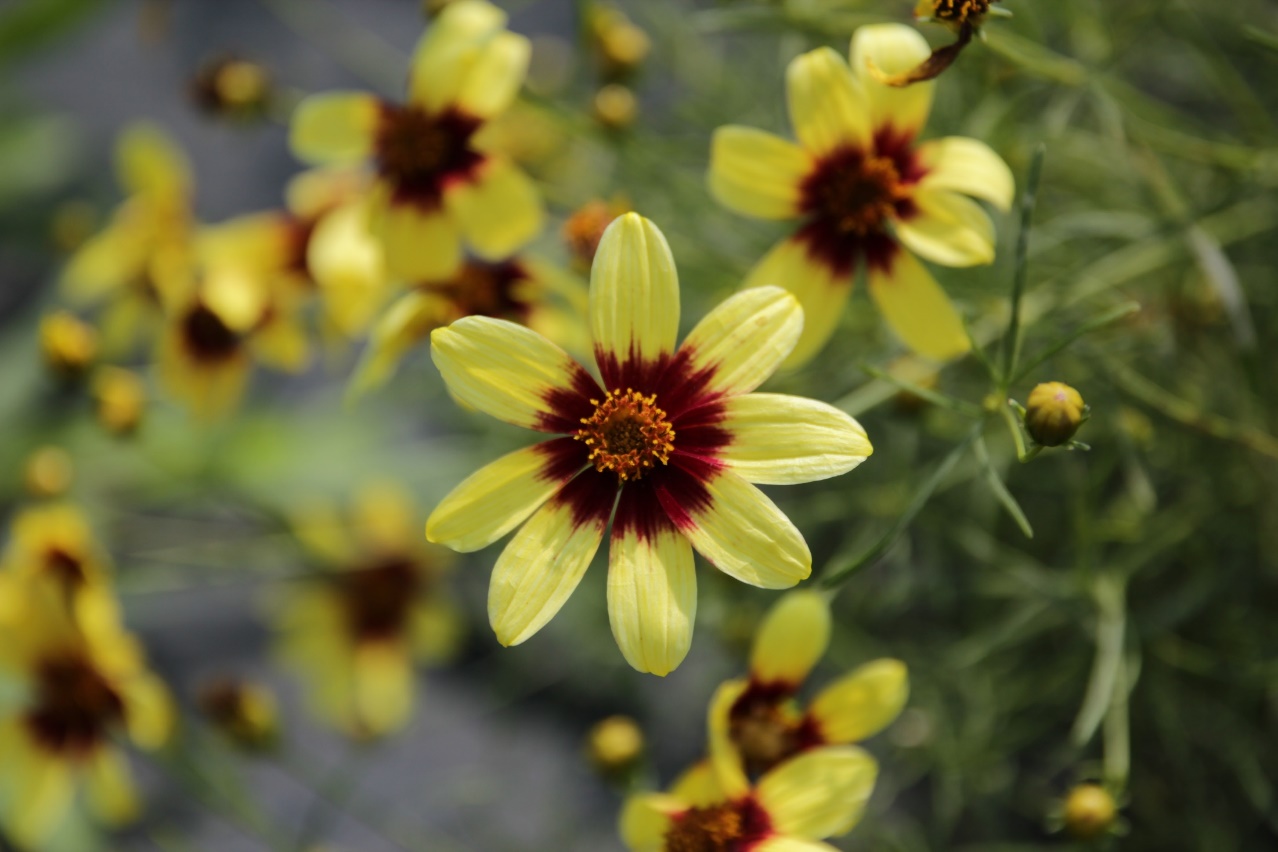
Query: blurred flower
[[585, 227], [1090, 811], [73, 223], [435, 186], [52, 556], [620, 45], [353, 635], [615, 106], [244, 712], [132, 263], [674, 443], [48, 472], [956, 13], [791, 809], [615, 745], [233, 88], [1053, 413], [82, 686], [756, 723], [121, 399], [69, 345], [865, 193]]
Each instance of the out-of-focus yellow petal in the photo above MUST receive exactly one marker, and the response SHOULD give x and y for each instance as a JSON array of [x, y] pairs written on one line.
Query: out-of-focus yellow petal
[[652, 597], [827, 107], [110, 787], [634, 292], [540, 568], [383, 682], [698, 785], [756, 173], [448, 50], [776, 843], [784, 440], [949, 229], [336, 127], [892, 49], [346, 263], [645, 819], [862, 702], [746, 536], [729, 769], [43, 796], [493, 79], [917, 309], [745, 338], [406, 323], [283, 344], [438, 628], [820, 793], [149, 712], [494, 500], [791, 639], [821, 291], [385, 516], [499, 210], [150, 163], [104, 264], [959, 164], [503, 369], [417, 244]]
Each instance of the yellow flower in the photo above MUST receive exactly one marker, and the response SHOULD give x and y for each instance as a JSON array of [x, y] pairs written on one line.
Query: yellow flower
[[672, 438], [244, 712], [69, 345], [82, 688], [756, 723], [49, 472], [615, 745], [866, 193], [1089, 811], [790, 809], [1053, 413], [233, 88], [435, 186], [353, 636], [121, 399], [52, 556]]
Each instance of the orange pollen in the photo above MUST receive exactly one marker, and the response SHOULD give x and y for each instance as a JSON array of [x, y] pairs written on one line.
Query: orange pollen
[[627, 434], [959, 11], [706, 829]]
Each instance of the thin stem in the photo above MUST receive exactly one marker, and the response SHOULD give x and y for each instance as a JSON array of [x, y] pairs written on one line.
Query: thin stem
[[967, 409], [1111, 316], [1012, 342]]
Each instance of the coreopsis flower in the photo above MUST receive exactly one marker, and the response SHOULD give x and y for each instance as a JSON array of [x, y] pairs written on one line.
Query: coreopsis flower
[[673, 438], [1089, 812], [1053, 413], [583, 230], [436, 187], [69, 344], [130, 266], [52, 555], [243, 711], [866, 193], [84, 685], [792, 808], [354, 633], [233, 88], [757, 723]]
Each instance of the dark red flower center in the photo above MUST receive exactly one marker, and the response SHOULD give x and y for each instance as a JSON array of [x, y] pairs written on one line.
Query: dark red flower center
[[417, 153], [766, 730], [485, 289], [959, 11], [728, 827], [74, 707], [207, 337], [377, 600], [64, 565], [627, 434]]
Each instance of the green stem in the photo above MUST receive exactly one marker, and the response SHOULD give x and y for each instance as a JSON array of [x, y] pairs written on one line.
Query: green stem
[[963, 407], [1111, 627], [1012, 342], [1109, 317]]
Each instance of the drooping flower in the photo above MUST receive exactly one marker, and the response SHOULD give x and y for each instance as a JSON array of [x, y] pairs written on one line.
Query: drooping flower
[[866, 192], [672, 437], [436, 186]]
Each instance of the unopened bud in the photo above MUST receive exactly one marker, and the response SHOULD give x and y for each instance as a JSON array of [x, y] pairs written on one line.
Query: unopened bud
[[69, 345], [244, 712], [615, 745], [121, 399], [1090, 811], [49, 472], [1053, 413], [229, 87], [615, 106], [622, 46], [585, 228]]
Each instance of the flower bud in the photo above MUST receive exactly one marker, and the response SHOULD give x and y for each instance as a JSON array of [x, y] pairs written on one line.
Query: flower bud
[[585, 227], [1054, 413], [49, 472], [120, 397], [69, 345], [244, 712], [615, 106], [1090, 811], [621, 45], [956, 12], [615, 745], [229, 87]]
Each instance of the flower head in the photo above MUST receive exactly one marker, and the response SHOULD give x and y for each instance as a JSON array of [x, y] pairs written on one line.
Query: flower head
[[1089, 811], [865, 192], [69, 344], [673, 438], [52, 559], [1053, 413]]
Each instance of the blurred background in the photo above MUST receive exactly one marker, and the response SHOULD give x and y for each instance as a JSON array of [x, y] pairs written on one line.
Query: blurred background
[[1131, 642]]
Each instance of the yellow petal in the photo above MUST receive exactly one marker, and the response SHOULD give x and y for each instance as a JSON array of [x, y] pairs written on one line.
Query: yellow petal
[[506, 371], [497, 498], [745, 338], [729, 769], [645, 819], [862, 702], [406, 323], [499, 210], [149, 712], [385, 516], [917, 309], [948, 229], [784, 440], [46, 791], [743, 534], [110, 788], [493, 79], [652, 596], [445, 54], [417, 244], [346, 262], [438, 629], [776, 843], [698, 785], [828, 110], [150, 163], [107, 262], [959, 164], [634, 293], [756, 173], [892, 49], [545, 560], [791, 639], [821, 292], [820, 793], [334, 127], [383, 684], [284, 344]]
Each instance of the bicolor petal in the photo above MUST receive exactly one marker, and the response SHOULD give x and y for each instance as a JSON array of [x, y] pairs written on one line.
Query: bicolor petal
[[828, 109], [959, 164], [729, 769], [784, 440], [335, 127], [634, 295], [791, 639], [891, 49], [645, 820], [862, 702], [698, 785], [418, 244], [499, 209], [756, 173], [948, 229], [744, 339], [917, 309], [820, 793], [821, 290]]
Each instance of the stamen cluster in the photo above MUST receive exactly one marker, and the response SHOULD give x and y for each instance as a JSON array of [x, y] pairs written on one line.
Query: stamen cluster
[[856, 193], [627, 434], [959, 11]]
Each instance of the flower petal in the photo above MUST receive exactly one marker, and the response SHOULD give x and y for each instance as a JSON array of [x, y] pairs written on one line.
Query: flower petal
[[499, 209], [652, 589], [964, 165], [382, 685], [791, 639], [447, 52], [500, 496], [735, 526], [546, 559], [511, 373], [698, 785], [151, 164], [892, 49], [149, 711], [110, 788], [46, 790], [784, 440], [917, 309], [493, 79], [418, 244], [948, 229], [776, 843], [634, 295], [346, 263], [820, 289], [828, 109], [646, 818], [744, 339], [820, 793], [729, 769], [756, 173], [334, 127], [862, 702]]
